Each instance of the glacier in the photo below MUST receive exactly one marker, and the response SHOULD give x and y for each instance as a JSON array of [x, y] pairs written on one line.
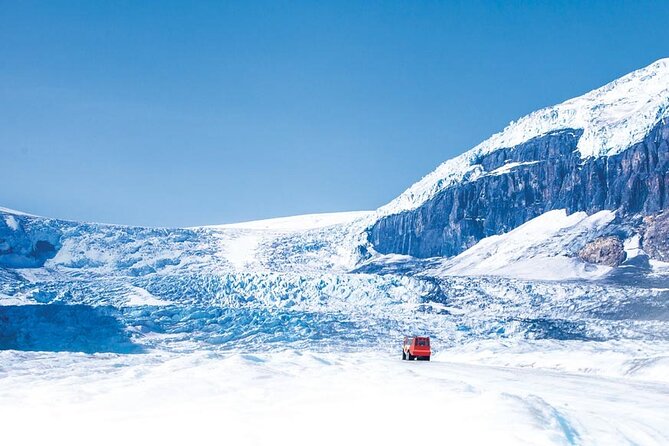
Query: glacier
[[270, 283], [181, 335]]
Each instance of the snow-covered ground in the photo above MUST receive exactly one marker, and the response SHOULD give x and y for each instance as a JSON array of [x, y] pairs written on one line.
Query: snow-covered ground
[[537, 249], [305, 397], [298, 222], [277, 332]]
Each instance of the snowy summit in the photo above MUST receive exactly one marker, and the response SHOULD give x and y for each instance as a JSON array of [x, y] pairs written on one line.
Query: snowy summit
[[612, 117]]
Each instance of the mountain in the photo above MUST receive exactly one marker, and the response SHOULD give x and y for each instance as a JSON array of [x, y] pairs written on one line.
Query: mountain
[[568, 201], [536, 263], [605, 150], [284, 280]]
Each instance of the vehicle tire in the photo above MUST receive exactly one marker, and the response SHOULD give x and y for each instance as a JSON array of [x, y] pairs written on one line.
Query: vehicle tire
[[410, 357], [427, 358]]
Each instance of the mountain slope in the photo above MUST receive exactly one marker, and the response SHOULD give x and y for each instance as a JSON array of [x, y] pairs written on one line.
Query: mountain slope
[[612, 118], [607, 150]]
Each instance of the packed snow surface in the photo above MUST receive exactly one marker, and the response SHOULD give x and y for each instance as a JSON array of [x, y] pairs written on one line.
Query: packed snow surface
[[303, 397], [613, 118]]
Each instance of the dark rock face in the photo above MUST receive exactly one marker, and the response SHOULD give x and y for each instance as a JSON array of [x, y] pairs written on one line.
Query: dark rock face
[[604, 251], [635, 181], [656, 237]]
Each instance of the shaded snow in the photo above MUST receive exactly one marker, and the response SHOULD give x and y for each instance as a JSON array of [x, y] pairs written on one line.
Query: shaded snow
[[632, 247], [659, 267]]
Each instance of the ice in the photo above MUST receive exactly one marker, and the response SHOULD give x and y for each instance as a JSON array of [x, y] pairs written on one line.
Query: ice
[[138, 297], [11, 222]]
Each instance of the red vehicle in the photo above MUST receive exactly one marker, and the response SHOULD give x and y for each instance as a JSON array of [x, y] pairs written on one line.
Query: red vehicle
[[416, 348]]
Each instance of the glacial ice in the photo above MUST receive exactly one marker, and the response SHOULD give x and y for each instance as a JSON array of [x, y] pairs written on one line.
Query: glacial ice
[[191, 334]]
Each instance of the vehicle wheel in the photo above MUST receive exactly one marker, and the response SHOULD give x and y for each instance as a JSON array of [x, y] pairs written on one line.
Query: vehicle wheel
[[410, 357]]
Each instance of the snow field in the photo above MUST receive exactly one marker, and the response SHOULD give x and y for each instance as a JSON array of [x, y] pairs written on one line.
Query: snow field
[[536, 250], [304, 397]]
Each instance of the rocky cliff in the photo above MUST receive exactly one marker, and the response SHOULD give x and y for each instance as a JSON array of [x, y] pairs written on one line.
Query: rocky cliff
[[518, 183]]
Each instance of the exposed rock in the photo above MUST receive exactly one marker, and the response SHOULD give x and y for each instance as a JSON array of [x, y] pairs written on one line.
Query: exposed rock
[[549, 174], [604, 251], [656, 237]]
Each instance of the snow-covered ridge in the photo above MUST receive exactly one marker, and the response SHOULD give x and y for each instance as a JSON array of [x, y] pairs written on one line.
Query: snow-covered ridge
[[613, 118], [291, 223], [15, 212], [298, 222]]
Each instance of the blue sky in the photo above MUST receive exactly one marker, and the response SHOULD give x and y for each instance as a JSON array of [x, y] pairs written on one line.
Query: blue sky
[[183, 113]]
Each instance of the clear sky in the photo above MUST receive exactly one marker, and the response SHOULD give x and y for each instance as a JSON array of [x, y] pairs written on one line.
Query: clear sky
[[177, 113]]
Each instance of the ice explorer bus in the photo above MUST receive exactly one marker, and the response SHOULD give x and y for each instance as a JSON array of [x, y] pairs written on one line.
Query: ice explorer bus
[[416, 348]]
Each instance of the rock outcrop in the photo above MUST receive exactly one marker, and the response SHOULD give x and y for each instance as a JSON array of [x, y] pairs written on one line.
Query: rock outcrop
[[607, 251], [525, 181], [655, 240]]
